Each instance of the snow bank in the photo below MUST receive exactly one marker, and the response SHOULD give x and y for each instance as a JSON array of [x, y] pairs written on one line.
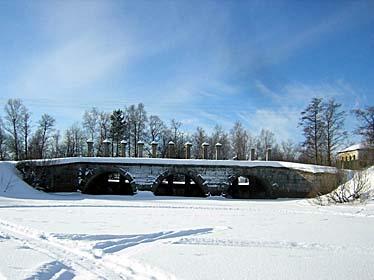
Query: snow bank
[[165, 161], [369, 174], [363, 180], [11, 184]]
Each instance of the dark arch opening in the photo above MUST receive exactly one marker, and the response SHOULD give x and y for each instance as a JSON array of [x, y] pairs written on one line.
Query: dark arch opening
[[247, 187], [109, 183], [178, 185]]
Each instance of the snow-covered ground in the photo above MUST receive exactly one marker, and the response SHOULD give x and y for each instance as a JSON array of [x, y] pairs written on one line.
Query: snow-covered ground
[[66, 236]]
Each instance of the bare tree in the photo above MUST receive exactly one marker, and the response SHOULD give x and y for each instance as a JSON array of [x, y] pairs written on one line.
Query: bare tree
[[355, 189], [177, 137], [198, 138], [91, 122], [313, 129], [26, 129], [265, 140], [2, 141], [366, 127], [56, 146], [219, 136], [73, 141], [289, 150], [156, 126], [165, 137], [46, 125], [239, 141], [13, 124], [104, 125], [137, 119], [334, 127]]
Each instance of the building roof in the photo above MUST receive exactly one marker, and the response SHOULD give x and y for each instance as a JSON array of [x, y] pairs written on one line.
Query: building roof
[[360, 146]]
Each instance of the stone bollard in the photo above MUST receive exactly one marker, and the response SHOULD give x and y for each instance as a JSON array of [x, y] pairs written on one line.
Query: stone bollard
[[268, 154], [140, 148], [252, 155], [90, 151], [154, 149], [106, 143], [188, 146], [171, 149], [205, 146], [218, 151], [123, 148]]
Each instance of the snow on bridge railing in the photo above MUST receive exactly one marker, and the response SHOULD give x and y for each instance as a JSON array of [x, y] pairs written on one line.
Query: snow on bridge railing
[[195, 162]]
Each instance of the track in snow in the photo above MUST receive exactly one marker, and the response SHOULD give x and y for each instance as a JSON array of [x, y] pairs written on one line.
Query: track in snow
[[70, 261]]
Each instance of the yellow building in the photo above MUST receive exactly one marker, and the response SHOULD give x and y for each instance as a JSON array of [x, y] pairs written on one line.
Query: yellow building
[[356, 156]]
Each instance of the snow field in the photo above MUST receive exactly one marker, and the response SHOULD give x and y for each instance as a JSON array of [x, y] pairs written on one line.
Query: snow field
[[74, 236]]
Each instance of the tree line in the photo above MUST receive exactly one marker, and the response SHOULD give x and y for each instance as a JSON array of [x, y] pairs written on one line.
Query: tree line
[[322, 123]]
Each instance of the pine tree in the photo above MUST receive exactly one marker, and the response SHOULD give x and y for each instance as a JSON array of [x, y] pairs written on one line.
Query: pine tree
[[117, 128]]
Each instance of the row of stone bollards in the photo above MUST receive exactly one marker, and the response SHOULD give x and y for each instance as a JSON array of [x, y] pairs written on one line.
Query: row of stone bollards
[[171, 153]]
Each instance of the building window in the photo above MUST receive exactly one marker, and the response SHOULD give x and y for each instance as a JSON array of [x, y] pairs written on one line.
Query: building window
[[354, 157]]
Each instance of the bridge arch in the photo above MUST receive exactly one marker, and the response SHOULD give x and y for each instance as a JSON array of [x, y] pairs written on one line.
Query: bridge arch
[[174, 183], [115, 182], [248, 186]]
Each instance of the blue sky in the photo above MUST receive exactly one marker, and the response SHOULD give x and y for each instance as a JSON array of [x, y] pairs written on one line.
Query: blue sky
[[200, 62]]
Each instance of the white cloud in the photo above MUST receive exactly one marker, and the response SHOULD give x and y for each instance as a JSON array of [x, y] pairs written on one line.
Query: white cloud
[[71, 66], [282, 122]]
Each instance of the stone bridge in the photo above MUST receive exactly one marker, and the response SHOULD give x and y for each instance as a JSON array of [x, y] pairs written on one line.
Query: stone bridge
[[184, 177]]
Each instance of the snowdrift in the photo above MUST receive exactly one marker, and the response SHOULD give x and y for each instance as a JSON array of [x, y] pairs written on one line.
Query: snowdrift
[[360, 187], [11, 184]]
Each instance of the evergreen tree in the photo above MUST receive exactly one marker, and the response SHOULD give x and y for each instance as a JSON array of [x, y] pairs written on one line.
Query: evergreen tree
[[117, 129]]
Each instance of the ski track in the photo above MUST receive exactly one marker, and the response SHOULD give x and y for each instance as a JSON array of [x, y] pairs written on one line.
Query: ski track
[[281, 244], [69, 260]]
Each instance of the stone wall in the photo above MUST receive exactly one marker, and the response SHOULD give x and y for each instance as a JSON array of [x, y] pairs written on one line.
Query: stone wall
[[215, 180]]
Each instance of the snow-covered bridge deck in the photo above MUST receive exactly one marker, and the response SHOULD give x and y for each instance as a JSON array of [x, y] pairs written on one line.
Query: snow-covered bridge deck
[[189, 177]]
